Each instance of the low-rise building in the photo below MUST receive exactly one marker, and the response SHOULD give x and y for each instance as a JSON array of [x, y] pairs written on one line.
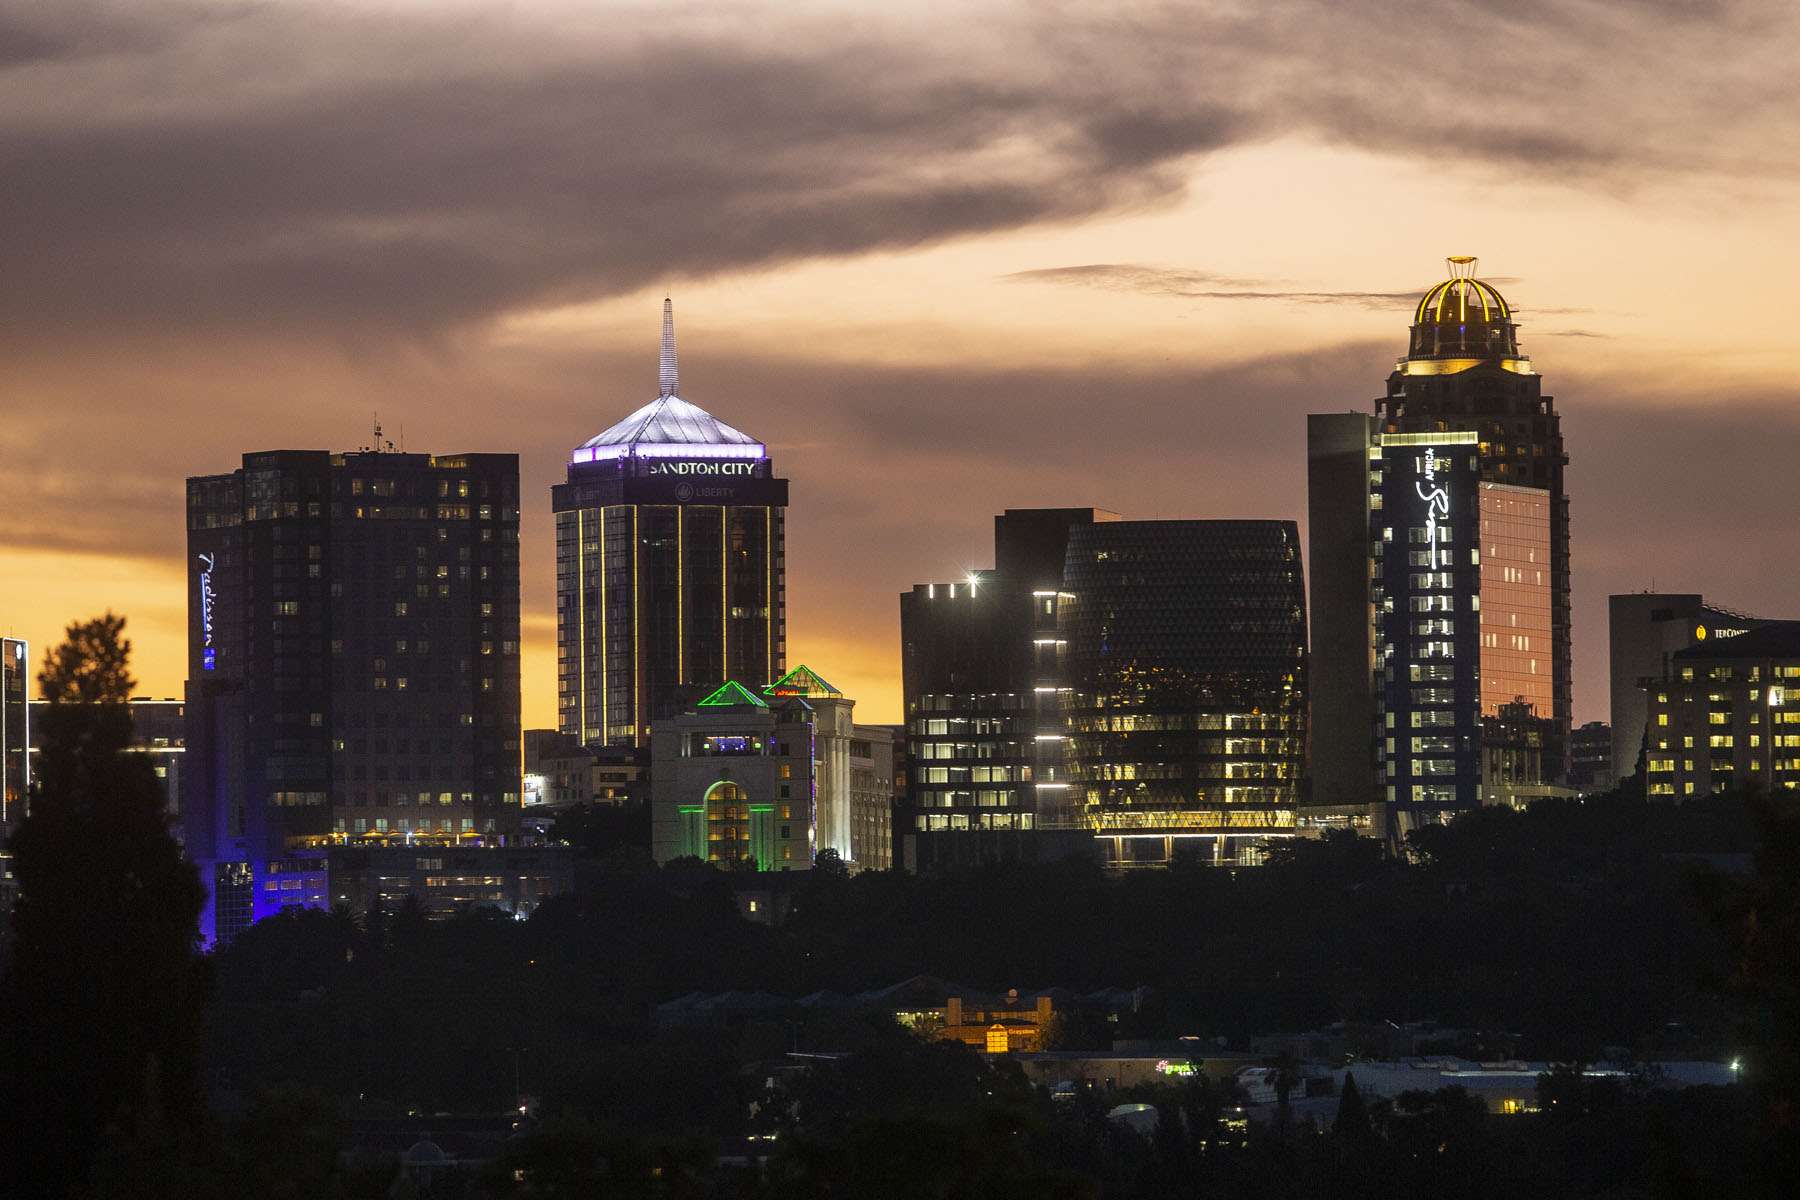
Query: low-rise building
[[769, 779], [1725, 712], [442, 880], [560, 772], [159, 732]]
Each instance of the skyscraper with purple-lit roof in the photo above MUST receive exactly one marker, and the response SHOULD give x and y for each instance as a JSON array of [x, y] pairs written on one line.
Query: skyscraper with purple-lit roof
[[670, 566]]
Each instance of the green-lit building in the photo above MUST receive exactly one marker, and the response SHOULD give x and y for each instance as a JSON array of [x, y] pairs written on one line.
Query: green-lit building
[[772, 775]]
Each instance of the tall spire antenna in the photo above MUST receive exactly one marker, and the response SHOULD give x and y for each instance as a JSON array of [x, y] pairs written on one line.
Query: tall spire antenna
[[666, 377]]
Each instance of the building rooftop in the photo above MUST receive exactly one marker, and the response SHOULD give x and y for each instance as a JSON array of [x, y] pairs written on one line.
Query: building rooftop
[[1776, 639], [1462, 322], [1461, 298], [668, 426]]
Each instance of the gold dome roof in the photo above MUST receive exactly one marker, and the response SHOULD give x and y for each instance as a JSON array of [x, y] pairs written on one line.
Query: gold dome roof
[[1461, 298], [1462, 321]]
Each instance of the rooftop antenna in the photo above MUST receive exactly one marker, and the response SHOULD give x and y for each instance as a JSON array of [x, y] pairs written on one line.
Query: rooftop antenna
[[666, 377], [380, 446]]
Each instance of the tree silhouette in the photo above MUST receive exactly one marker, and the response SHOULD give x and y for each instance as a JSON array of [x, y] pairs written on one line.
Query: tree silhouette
[[1352, 1120], [1759, 916], [102, 994]]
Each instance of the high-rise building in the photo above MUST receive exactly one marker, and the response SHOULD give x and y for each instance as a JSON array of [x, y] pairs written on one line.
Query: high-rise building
[[982, 669], [1439, 558], [1138, 683], [670, 566], [15, 731], [353, 659]]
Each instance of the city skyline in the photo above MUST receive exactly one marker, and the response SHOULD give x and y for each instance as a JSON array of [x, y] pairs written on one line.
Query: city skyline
[[941, 277]]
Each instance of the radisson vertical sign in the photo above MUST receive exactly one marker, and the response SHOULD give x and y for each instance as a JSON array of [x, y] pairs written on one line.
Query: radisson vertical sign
[[209, 660]]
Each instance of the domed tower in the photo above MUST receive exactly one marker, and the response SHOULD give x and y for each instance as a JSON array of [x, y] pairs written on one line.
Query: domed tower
[[669, 566], [1464, 372]]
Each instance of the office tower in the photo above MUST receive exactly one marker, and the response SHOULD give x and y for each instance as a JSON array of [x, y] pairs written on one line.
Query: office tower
[[1439, 557], [1723, 713], [353, 659], [670, 568], [15, 731], [1643, 630], [1139, 684], [982, 666], [1185, 709], [772, 776]]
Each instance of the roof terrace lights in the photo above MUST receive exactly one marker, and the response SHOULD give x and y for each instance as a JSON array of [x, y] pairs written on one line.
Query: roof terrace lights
[[746, 450]]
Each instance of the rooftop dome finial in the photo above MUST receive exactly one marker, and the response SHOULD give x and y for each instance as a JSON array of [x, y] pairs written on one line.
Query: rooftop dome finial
[[1462, 266], [666, 377]]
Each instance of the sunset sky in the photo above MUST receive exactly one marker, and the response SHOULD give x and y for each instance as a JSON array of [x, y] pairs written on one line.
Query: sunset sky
[[945, 260]]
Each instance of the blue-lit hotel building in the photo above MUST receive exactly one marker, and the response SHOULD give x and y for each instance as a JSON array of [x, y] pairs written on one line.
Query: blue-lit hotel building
[[670, 566], [353, 666]]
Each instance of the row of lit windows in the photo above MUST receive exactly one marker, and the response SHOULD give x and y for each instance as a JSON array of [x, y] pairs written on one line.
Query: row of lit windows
[[939, 821], [984, 798], [406, 825], [999, 774]]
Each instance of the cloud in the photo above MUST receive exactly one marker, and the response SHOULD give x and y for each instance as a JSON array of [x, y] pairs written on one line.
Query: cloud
[[1199, 285], [408, 171]]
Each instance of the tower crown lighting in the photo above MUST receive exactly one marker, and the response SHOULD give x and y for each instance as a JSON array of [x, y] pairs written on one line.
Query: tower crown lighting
[[668, 426], [1463, 321]]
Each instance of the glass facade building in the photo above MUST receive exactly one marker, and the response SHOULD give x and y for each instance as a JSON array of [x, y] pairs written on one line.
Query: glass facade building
[[1185, 705], [670, 567]]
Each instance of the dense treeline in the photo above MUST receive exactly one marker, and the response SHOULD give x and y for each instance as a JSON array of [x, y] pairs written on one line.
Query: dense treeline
[[1582, 929], [1571, 931], [1573, 927]]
